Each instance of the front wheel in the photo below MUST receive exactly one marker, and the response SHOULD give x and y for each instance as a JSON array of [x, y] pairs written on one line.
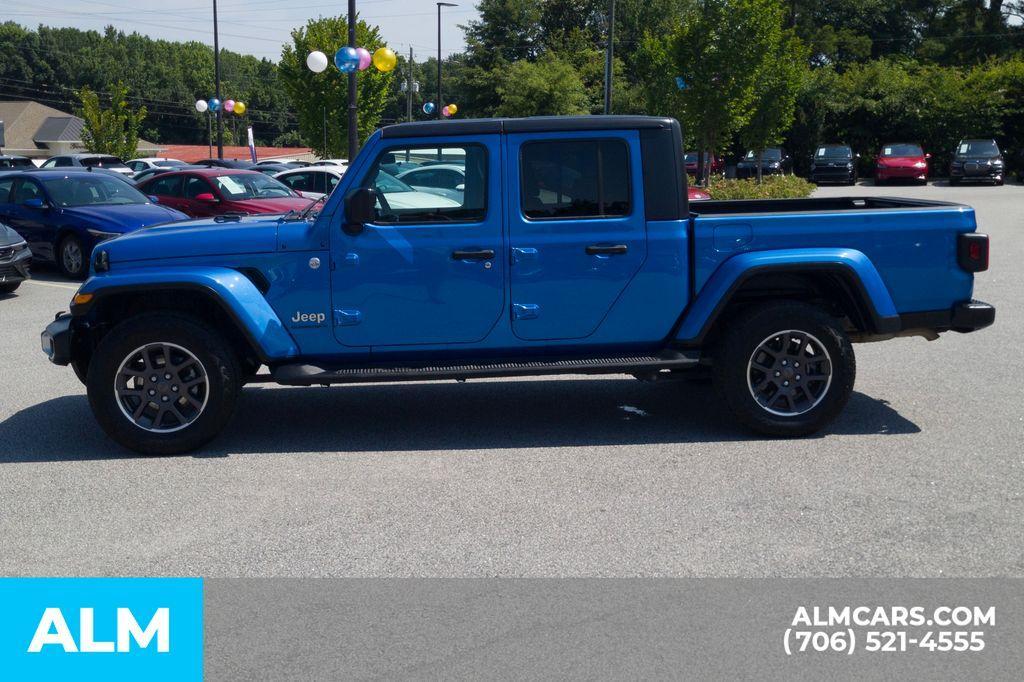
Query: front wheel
[[162, 383], [9, 287], [71, 258], [785, 369]]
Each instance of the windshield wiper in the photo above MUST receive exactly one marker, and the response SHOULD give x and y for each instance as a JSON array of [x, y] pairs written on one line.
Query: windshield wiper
[[306, 211]]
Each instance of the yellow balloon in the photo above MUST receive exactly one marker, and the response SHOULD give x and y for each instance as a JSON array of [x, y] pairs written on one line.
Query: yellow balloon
[[239, 108], [452, 109], [384, 59]]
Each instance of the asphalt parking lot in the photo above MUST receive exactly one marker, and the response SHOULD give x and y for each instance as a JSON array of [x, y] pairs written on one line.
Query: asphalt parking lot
[[923, 475]]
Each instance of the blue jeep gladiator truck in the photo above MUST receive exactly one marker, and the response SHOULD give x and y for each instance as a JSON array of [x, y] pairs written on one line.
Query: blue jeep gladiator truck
[[551, 245]]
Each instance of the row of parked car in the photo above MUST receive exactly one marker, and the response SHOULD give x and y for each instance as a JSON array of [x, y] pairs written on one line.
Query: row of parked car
[[973, 160], [60, 211]]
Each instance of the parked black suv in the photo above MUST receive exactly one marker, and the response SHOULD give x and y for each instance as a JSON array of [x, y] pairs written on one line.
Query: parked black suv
[[14, 260], [977, 160], [774, 161], [834, 163]]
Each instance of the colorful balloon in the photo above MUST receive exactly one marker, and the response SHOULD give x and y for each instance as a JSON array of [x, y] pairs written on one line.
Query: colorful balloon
[[239, 108], [452, 109], [428, 108], [445, 111], [214, 104], [346, 59], [201, 106], [229, 105], [364, 58], [385, 59], [316, 61]]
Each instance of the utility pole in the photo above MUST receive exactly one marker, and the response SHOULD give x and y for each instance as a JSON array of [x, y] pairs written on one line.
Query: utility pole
[[325, 130], [353, 113], [216, 79], [408, 90], [608, 60], [438, 105]]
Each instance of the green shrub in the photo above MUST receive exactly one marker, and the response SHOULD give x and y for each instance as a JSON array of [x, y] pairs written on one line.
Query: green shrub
[[771, 187]]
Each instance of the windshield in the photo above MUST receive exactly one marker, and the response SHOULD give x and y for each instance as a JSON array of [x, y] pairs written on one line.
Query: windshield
[[388, 183], [978, 148], [902, 150], [251, 186], [834, 153], [95, 190], [103, 162], [15, 163], [770, 154]]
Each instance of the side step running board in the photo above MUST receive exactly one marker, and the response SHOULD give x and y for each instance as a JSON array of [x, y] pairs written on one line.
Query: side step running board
[[309, 375]]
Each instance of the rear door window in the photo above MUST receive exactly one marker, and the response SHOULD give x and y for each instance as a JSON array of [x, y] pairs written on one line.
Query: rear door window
[[564, 179]]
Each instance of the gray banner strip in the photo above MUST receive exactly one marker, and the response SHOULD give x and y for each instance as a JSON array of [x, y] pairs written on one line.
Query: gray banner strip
[[598, 628]]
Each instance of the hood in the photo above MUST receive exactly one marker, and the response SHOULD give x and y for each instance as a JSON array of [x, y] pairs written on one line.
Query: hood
[[282, 205], [9, 236], [900, 160], [195, 239], [124, 218]]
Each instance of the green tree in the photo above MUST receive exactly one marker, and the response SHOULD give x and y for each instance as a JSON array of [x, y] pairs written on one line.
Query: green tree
[[548, 86], [320, 97], [113, 130], [779, 81]]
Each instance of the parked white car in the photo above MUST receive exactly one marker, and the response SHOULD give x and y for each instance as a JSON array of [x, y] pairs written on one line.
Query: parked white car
[[147, 162], [331, 162], [444, 179], [312, 182]]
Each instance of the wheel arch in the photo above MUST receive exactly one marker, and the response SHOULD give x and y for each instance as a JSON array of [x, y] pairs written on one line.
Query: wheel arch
[[845, 283]]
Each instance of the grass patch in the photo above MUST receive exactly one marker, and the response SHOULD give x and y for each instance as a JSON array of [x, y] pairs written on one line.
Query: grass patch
[[771, 187]]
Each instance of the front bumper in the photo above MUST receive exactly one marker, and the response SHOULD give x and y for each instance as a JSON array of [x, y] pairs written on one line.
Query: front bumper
[[901, 173], [831, 175], [971, 171], [15, 268], [56, 339], [964, 317]]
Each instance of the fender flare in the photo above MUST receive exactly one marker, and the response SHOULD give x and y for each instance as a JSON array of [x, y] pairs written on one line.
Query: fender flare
[[234, 293], [853, 266]]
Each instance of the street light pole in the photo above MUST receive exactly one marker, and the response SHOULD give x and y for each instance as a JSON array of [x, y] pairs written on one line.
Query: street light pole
[[438, 106], [216, 80], [353, 113], [608, 61]]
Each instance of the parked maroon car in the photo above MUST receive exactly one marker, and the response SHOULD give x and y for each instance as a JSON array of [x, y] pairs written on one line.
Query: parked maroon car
[[206, 192], [716, 163], [901, 161], [697, 193]]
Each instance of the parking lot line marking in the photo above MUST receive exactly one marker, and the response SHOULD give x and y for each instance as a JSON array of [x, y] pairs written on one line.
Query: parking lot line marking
[[52, 284]]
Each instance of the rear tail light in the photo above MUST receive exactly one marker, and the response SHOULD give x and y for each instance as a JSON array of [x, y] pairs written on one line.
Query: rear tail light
[[972, 252]]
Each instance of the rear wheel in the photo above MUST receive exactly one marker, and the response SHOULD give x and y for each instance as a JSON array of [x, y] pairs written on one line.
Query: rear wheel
[[163, 383], [785, 369], [71, 257]]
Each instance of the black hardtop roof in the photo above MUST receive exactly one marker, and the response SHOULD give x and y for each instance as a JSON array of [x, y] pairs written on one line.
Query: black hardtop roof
[[533, 124]]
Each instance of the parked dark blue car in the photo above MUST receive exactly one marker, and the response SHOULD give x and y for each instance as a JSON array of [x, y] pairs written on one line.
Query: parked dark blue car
[[63, 214]]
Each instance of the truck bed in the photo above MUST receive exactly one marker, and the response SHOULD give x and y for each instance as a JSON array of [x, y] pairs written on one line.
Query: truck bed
[[822, 205]]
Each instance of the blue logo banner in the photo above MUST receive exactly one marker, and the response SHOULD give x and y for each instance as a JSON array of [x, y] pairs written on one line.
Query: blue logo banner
[[101, 628]]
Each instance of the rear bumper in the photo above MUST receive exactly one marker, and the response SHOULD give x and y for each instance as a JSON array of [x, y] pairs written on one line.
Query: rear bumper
[[966, 316], [56, 339]]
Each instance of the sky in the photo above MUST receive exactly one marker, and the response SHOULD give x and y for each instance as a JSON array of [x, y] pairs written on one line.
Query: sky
[[256, 27]]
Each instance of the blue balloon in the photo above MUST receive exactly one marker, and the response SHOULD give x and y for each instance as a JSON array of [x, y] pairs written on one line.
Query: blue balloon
[[428, 107], [214, 104], [346, 59]]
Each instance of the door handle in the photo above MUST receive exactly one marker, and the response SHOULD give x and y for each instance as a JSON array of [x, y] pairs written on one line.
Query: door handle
[[480, 254], [602, 250]]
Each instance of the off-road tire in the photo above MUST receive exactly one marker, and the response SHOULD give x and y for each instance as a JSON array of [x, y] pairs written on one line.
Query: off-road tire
[[733, 362], [218, 360]]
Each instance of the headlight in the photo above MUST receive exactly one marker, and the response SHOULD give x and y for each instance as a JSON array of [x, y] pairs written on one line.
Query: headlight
[[997, 162], [101, 235], [775, 164], [20, 246], [920, 164], [849, 165]]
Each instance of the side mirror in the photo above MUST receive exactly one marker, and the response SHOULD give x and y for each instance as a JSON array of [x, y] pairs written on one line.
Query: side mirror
[[360, 207], [207, 197], [34, 203], [461, 187], [154, 198], [927, 156]]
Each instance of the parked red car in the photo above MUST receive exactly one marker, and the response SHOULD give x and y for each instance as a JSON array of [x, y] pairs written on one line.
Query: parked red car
[[716, 163], [901, 161], [696, 193], [206, 192]]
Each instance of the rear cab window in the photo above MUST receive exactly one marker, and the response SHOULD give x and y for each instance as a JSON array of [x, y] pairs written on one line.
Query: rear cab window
[[564, 179]]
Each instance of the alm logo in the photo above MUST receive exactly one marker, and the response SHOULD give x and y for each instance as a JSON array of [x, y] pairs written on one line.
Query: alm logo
[[53, 630]]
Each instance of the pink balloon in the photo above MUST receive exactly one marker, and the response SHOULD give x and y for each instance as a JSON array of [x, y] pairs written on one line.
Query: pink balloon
[[229, 105], [365, 58], [446, 112]]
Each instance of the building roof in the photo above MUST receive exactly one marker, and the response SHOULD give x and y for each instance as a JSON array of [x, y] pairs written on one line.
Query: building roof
[[30, 127], [190, 153]]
